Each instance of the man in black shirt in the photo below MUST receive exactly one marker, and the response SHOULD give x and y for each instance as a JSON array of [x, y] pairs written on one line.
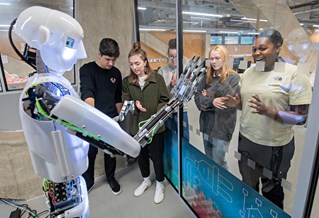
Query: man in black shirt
[[101, 87]]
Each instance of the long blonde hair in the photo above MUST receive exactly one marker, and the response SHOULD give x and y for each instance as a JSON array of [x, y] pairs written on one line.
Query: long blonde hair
[[136, 50], [222, 51]]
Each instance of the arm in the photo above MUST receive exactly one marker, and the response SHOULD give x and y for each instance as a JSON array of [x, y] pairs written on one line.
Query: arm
[[87, 86], [203, 103], [295, 115], [163, 98], [118, 95]]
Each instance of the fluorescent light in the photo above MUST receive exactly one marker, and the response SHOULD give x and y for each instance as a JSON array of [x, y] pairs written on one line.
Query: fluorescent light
[[4, 25], [141, 8], [315, 25], [194, 31], [200, 18], [145, 29], [252, 33], [202, 14], [5, 4], [253, 19], [228, 32]]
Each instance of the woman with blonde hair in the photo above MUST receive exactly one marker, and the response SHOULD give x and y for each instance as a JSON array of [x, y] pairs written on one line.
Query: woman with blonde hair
[[217, 121]]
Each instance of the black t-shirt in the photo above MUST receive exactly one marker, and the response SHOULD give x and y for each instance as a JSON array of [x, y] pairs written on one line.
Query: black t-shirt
[[104, 85]]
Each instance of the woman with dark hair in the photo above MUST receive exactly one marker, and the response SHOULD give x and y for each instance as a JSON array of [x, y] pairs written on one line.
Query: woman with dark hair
[[148, 90], [217, 122], [271, 103]]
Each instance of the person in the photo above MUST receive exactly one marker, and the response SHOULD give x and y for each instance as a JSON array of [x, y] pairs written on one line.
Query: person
[[169, 74], [271, 103], [101, 87], [217, 122], [148, 90]]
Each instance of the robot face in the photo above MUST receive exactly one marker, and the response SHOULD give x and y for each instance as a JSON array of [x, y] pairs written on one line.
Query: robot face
[[56, 35], [62, 52]]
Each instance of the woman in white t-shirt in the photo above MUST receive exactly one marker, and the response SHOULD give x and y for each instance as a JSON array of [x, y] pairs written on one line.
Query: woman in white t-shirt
[[271, 103]]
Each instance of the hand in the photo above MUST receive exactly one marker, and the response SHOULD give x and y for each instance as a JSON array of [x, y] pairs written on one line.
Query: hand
[[204, 92], [139, 106], [258, 105], [220, 102], [174, 79], [231, 101]]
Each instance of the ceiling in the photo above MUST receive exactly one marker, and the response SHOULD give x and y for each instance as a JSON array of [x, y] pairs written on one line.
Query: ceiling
[[161, 14]]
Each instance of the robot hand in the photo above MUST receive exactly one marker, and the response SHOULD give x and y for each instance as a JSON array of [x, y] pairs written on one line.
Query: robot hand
[[128, 107], [183, 91]]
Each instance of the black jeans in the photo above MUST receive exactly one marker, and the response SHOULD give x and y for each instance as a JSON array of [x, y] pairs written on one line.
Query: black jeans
[[263, 157], [155, 151], [109, 166]]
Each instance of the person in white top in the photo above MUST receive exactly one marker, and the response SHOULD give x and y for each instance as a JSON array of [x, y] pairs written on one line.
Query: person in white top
[[169, 74], [271, 103]]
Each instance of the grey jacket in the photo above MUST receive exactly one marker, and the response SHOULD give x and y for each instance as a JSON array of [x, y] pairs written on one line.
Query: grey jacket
[[219, 123]]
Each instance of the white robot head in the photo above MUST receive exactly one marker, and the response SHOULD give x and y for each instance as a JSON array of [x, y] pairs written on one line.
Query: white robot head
[[56, 35]]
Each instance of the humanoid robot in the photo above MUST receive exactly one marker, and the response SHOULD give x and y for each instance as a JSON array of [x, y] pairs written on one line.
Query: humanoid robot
[[55, 120]]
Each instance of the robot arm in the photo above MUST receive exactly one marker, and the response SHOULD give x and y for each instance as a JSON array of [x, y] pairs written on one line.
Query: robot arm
[[183, 91]]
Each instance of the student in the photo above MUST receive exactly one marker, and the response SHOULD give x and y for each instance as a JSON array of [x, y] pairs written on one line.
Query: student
[[101, 87], [217, 122], [169, 73], [271, 103], [149, 92]]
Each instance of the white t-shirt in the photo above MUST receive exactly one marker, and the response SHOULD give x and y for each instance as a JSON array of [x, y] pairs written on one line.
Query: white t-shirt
[[278, 90]]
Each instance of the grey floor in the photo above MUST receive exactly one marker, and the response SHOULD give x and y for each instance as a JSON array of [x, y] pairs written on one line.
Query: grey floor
[[104, 204]]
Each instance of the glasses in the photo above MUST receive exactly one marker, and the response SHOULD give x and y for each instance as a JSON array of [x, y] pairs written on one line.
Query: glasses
[[172, 57]]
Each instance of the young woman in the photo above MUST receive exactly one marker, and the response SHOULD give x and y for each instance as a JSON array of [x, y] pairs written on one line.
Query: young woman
[[271, 103], [217, 122], [149, 92]]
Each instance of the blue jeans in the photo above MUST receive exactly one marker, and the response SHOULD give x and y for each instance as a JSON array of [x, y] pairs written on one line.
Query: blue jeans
[[216, 149], [171, 123]]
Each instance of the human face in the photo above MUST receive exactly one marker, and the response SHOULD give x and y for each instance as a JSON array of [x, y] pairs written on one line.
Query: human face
[[106, 62], [264, 50], [172, 57], [137, 65], [215, 60]]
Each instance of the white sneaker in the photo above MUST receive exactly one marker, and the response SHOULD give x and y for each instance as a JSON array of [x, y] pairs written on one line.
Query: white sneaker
[[159, 193], [141, 189]]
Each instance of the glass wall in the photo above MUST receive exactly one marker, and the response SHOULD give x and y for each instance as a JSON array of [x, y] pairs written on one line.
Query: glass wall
[[210, 183], [14, 71]]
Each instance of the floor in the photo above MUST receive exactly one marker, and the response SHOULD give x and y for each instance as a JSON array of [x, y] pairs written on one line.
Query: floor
[[104, 204]]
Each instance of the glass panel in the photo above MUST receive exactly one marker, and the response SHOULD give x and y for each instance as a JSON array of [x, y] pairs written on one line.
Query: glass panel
[[208, 23], [15, 70]]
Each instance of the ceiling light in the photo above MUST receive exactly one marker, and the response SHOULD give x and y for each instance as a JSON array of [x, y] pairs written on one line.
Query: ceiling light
[[253, 19], [141, 8], [146, 29], [5, 4], [194, 31], [202, 14], [228, 32]]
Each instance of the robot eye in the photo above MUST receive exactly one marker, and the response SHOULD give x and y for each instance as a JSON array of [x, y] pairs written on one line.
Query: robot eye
[[69, 42]]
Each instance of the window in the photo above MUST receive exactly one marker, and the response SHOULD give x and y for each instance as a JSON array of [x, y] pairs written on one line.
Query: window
[[246, 40], [216, 39], [231, 40]]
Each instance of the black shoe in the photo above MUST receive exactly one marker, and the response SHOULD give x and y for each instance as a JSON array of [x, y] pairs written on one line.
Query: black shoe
[[115, 186]]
